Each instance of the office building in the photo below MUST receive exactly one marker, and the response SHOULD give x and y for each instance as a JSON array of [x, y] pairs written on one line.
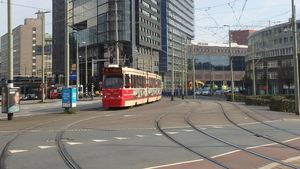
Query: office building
[[93, 28], [212, 63], [241, 36], [271, 50], [27, 62], [177, 29]]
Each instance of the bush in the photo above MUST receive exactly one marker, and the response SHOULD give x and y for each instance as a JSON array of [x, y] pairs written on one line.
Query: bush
[[257, 100], [237, 97], [284, 103], [281, 103], [70, 111]]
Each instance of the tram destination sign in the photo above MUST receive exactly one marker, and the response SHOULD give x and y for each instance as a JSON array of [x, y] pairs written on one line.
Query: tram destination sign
[[112, 70]]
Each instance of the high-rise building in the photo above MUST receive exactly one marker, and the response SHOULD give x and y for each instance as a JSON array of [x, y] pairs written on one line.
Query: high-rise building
[[93, 27], [241, 36], [177, 29], [27, 62], [143, 31]]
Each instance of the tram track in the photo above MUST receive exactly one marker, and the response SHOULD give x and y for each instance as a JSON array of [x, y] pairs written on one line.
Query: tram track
[[67, 158], [215, 162], [262, 122], [257, 134], [71, 121]]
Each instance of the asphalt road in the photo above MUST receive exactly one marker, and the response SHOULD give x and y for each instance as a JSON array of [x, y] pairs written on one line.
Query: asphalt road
[[96, 137]]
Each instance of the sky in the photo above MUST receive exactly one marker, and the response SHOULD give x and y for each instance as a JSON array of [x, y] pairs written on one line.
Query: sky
[[210, 16]]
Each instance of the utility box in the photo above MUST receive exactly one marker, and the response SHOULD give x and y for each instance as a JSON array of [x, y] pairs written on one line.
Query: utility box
[[10, 99]]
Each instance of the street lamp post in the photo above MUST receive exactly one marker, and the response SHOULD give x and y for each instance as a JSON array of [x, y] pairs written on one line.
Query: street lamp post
[[268, 80], [231, 64], [172, 71], [86, 72], [43, 51], [77, 68], [295, 57]]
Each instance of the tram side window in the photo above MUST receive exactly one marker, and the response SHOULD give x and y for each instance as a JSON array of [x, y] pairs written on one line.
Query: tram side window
[[139, 81], [133, 81], [127, 84], [151, 83], [159, 83], [144, 82]]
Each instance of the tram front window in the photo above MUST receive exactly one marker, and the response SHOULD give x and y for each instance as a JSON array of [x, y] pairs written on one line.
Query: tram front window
[[113, 82]]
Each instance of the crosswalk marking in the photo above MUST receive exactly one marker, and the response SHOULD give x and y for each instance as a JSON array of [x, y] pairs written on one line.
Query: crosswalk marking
[[172, 132], [17, 151], [74, 143], [157, 134], [188, 130], [121, 138], [99, 140], [44, 147]]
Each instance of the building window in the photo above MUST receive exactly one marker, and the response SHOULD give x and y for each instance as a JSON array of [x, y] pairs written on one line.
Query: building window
[[272, 75], [273, 63]]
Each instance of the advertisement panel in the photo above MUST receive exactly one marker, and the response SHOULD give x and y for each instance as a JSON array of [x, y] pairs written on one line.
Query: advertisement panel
[[10, 100], [68, 98]]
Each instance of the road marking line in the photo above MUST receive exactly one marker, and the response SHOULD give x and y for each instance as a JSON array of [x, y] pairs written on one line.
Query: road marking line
[[128, 115], [225, 153], [74, 143], [272, 165], [172, 132], [121, 138], [167, 165], [157, 134], [217, 127], [44, 147], [188, 130], [17, 151], [99, 140], [291, 139], [262, 145], [142, 136]]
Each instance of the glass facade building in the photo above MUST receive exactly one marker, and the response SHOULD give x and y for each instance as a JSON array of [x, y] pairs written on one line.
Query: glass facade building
[[178, 29], [212, 63], [145, 29]]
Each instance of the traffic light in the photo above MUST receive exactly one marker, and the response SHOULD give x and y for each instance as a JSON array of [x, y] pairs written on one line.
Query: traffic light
[[91, 79], [111, 59], [130, 59]]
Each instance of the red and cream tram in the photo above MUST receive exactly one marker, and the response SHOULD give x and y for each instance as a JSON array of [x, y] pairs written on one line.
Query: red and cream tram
[[127, 87]]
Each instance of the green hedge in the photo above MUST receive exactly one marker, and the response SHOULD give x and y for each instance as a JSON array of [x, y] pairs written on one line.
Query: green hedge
[[237, 97], [284, 103], [257, 100]]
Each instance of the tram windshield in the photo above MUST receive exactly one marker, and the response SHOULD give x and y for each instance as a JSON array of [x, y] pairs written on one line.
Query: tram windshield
[[113, 82]]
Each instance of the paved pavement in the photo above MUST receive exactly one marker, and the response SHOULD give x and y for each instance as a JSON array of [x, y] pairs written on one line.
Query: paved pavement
[[273, 114]]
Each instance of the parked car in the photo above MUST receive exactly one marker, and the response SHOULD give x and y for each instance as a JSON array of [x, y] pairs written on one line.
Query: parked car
[[205, 92], [218, 92], [23, 97], [0, 97], [33, 96], [198, 92]]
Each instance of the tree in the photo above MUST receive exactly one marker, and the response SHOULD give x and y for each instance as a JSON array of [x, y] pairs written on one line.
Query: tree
[[286, 75], [247, 81]]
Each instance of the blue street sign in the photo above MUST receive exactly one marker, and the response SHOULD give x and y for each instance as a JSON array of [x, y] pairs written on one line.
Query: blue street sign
[[73, 76]]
